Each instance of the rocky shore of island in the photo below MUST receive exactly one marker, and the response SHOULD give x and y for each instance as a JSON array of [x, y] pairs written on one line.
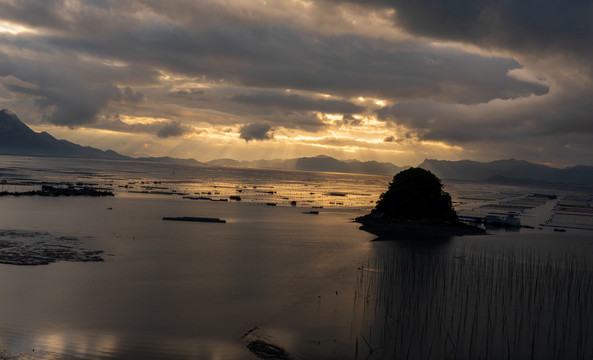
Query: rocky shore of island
[[396, 229]]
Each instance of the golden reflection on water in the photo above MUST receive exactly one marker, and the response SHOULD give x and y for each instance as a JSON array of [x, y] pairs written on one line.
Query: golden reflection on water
[[110, 345], [62, 343]]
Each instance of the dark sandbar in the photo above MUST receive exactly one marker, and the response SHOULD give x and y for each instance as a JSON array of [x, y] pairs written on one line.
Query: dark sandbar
[[47, 190], [40, 248], [195, 219]]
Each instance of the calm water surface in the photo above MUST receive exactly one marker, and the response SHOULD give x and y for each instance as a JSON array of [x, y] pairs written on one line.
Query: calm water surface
[[204, 290], [170, 289]]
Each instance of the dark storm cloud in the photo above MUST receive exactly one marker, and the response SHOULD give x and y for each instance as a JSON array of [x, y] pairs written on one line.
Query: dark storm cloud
[[498, 120], [173, 129], [162, 128], [256, 131], [541, 32], [520, 25], [72, 18], [222, 110], [180, 39], [73, 105], [69, 92], [528, 73], [552, 38], [187, 93], [297, 102], [347, 121], [47, 14], [276, 56], [294, 120], [529, 26]]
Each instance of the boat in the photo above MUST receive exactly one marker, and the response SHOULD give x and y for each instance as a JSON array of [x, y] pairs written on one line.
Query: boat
[[503, 221]]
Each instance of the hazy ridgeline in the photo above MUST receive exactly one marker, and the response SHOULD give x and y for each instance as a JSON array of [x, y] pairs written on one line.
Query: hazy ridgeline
[[475, 303]]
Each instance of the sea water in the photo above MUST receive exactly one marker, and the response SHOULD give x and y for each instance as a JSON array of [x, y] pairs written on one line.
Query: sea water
[[175, 289], [313, 284], [170, 289]]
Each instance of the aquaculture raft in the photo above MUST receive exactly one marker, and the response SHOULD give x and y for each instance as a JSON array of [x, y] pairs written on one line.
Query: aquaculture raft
[[195, 219]]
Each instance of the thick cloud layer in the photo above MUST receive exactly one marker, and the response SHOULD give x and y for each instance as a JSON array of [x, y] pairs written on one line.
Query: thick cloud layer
[[522, 26], [464, 73], [297, 102]]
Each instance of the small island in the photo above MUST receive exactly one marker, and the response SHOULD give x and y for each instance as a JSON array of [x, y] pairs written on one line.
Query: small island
[[415, 206]]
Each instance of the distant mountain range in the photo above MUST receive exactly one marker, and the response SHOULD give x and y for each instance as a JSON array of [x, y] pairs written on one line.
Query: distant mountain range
[[509, 171], [317, 163], [16, 138]]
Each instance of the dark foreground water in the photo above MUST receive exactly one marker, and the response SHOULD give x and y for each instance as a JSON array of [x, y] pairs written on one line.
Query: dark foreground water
[[312, 284], [171, 289], [519, 296]]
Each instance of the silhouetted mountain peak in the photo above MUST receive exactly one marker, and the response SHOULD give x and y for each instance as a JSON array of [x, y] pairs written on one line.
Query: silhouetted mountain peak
[[10, 124], [508, 171], [16, 138]]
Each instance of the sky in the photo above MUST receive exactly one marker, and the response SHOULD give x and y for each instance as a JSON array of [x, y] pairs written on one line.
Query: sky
[[384, 80]]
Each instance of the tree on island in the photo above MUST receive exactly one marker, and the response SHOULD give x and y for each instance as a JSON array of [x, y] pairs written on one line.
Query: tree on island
[[416, 194], [415, 206]]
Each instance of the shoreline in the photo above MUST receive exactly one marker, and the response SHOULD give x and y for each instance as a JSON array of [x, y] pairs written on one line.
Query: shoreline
[[400, 230]]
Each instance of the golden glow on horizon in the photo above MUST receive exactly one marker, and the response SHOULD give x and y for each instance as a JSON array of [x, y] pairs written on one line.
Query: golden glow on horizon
[[361, 137], [140, 119], [315, 140], [225, 142], [351, 149]]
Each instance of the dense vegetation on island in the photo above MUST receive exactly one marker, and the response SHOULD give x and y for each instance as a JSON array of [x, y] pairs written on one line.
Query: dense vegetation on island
[[415, 206], [416, 194]]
